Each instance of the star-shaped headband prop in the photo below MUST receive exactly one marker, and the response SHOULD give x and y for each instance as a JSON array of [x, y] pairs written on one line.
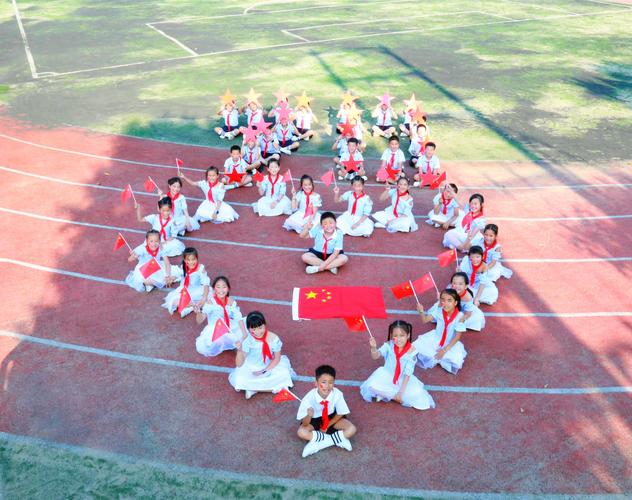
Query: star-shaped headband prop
[[252, 96], [283, 111], [281, 95], [250, 134], [354, 115], [347, 98], [419, 116], [227, 98], [411, 104], [262, 126], [386, 99], [303, 100], [347, 129]]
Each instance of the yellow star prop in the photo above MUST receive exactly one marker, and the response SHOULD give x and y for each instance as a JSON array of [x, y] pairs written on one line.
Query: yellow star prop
[[252, 96], [411, 104], [303, 100], [281, 95], [347, 98], [227, 98]]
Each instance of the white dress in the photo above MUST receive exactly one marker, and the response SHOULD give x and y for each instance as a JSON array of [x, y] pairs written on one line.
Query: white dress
[[442, 217], [489, 295], [167, 229], [207, 208], [180, 211], [493, 254], [427, 345], [380, 383], [280, 377], [273, 192], [455, 237], [405, 221], [197, 281], [297, 220], [135, 279], [204, 344], [364, 207], [475, 322]]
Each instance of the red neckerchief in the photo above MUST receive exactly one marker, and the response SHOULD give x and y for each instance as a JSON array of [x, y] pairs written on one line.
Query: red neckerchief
[[446, 322], [398, 356], [265, 148], [153, 254], [324, 416], [326, 244], [307, 195], [173, 198], [463, 294], [474, 271], [210, 191], [223, 306], [383, 118], [428, 169], [302, 121], [265, 349], [469, 218], [163, 233], [250, 156], [392, 161], [228, 120], [397, 202], [188, 272], [252, 117], [284, 132], [272, 183], [355, 202], [445, 202], [487, 248]]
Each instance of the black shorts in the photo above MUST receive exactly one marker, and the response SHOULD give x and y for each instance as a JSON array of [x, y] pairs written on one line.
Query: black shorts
[[384, 128], [302, 130], [268, 154], [321, 255], [317, 422], [412, 163], [288, 143], [232, 129]]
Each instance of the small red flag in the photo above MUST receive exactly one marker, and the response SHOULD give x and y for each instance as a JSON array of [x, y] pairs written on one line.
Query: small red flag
[[328, 178], [219, 330], [382, 175], [234, 176], [179, 162], [402, 290], [284, 395], [287, 176], [423, 284], [150, 185], [356, 324], [185, 300], [426, 179], [120, 241], [391, 172], [126, 194], [445, 258], [258, 177], [149, 268], [437, 182]]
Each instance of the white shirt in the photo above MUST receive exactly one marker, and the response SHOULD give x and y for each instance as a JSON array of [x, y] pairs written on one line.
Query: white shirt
[[229, 165], [312, 400], [303, 119], [231, 119], [399, 158], [425, 163]]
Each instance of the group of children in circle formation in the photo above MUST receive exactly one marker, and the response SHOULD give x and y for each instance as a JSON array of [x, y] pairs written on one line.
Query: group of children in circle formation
[[260, 367]]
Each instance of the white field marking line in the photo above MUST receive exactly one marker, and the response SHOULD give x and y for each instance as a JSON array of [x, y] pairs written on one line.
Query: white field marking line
[[302, 249], [171, 167], [173, 39], [542, 7], [307, 378], [294, 35], [27, 49], [607, 3], [249, 205], [316, 42], [496, 15]]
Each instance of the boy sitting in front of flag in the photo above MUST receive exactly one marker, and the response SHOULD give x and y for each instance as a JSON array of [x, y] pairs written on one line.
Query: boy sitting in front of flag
[[327, 253], [165, 224], [323, 415], [150, 272]]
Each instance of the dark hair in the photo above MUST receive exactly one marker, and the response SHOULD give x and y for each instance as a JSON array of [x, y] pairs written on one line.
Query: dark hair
[[327, 215], [403, 179], [173, 180], [466, 278], [235, 147], [306, 177], [491, 227], [454, 187], [477, 196], [475, 250], [152, 231], [165, 201], [404, 325], [325, 370], [272, 160], [422, 125], [431, 144], [357, 178], [454, 294], [224, 279], [255, 319], [353, 140], [188, 251], [393, 138], [211, 169]]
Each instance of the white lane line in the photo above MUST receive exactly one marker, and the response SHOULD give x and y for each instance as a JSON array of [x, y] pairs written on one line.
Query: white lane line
[[307, 378], [249, 205], [25, 42], [541, 7], [294, 35], [287, 303], [302, 249], [173, 39]]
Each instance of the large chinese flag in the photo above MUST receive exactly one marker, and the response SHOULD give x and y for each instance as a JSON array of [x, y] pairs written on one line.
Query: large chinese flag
[[337, 302]]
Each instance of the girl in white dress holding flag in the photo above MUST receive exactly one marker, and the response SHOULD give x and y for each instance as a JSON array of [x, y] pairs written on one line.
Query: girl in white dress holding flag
[[272, 188], [395, 380], [399, 215], [164, 223], [471, 221], [213, 208], [153, 268], [193, 290], [492, 252], [355, 221], [473, 317], [182, 219], [305, 204], [473, 265]]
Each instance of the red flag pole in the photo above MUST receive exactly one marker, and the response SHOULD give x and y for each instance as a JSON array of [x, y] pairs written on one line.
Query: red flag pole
[[132, 191], [414, 292], [152, 181], [130, 248], [299, 399], [367, 326], [433, 282]]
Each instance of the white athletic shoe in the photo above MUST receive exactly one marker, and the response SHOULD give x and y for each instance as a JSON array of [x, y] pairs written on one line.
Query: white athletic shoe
[[429, 222], [340, 178], [311, 269], [333, 270], [436, 225], [250, 394], [365, 177], [285, 150], [310, 449], [149, 288], [319, 441], [341, 441], [416, 184]]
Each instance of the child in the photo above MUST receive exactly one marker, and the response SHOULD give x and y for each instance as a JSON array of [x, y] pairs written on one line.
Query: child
[[473, 265], [399, 215], [303, 118], [473, 317], [220, 306], [427, 163], [165, 225], [446, 208], [355, 221], [235, 170], [442, 345], [395, 380], [251, 155], [492, 252], [350, 162], [272, 188], [253, 110], [327, 253], [417, 145], [467, 226], [269, 147], [393, 161], [230, 114], [165, 276], [181, 218], [195, 281], [212, 208], [286, 136], [331, 426], [305, 204], [384, 116], [259, 364]]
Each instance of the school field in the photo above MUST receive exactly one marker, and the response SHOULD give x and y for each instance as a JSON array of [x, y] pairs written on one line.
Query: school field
[[102, 395]]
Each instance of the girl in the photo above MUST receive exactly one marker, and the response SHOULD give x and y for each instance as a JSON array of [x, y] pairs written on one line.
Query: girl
[[473, 265], [253, 110], [442, 345], [468, 226], [492, 252], [399, 215], [272, 189], [213, 207], [355, 221], [350, 161], [303, 118], [195, 281], [181, 217], [164, 223], [395, 380], [144, 253], [473, 317], [446, 208], [259, 364], [220, 306], [305, 205]]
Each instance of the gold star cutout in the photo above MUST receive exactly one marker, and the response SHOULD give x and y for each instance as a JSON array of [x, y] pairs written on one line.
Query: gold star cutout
[[281, 95], [252, 96], [227, 98], [347, 98], [311, 295], [303, 100], [354, 115], [411, 104]]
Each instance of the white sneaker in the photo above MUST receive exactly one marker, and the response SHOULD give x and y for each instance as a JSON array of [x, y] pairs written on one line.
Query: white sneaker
[[365, 177], [306, 139], [319, 441], [286, 151], [340, 178], [250, 394], [333, 270], [416, 184], [186, 311], [429, 222], [249, 185], [436, 225], [222, 135], [341, 441], [149, 288], [310, 449], [311, 269]]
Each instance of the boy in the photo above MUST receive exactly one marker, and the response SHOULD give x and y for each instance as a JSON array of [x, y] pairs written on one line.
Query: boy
[[251, 154], [286, 135], [350, 162], [417, 145], [392, 161], [269, 147], [327, 253], [235, 170], [331, 425], [427, 163]]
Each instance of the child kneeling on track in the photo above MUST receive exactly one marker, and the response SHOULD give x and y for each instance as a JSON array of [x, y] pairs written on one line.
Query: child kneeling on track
[[164, 274], [323, 415], [327, 253], [181, 218], [492, 252]]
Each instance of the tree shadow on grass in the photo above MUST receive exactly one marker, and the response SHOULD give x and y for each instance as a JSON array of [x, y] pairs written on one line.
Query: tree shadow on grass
[[613, 81]]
